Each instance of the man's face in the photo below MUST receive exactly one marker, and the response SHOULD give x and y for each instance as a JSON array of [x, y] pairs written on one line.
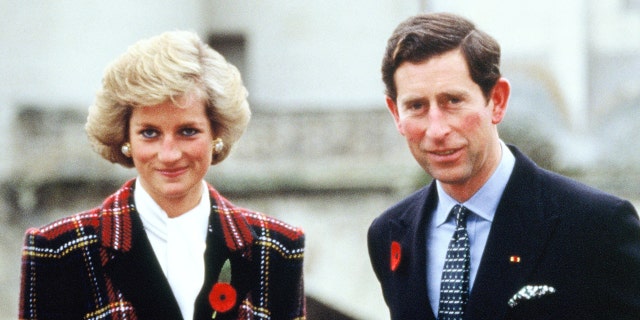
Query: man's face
[[449, 125]]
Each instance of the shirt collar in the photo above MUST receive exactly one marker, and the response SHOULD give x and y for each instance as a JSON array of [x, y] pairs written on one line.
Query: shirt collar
[[155, 219], [484, 202]]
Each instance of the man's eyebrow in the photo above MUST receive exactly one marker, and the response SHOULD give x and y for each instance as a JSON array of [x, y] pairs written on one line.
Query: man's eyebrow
[[408, 100], [455, 93]]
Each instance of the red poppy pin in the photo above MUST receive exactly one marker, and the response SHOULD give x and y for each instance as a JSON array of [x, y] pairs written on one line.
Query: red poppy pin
[[223, 295], [396, 255]]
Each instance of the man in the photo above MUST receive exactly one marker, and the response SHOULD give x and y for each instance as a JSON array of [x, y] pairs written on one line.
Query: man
[[522, 242]]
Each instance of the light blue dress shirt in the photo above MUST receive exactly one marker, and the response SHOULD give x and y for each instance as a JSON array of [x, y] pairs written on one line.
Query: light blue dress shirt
[[483, 204]]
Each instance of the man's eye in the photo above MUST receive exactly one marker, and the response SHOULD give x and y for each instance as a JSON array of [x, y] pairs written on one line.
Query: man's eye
[[149, 133], [416, 106]]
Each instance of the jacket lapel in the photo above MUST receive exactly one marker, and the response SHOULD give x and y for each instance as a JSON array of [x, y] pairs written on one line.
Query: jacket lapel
[[409, 231], [518, 234], [229, 237], [131, 264]]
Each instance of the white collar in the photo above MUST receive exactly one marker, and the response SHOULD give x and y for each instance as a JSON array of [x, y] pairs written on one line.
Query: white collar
[[178, 243], [485, 201]]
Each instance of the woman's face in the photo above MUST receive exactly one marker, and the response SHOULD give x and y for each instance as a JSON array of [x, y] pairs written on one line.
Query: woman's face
[[171, 148]]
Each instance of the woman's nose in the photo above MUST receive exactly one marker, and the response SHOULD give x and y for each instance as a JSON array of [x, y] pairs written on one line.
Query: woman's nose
[[169, 150]]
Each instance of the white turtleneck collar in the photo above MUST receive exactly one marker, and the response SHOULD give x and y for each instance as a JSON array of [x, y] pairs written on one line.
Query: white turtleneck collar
[[179, 244]]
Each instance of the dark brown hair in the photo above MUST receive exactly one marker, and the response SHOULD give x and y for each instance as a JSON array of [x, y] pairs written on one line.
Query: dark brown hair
[[424, 36]]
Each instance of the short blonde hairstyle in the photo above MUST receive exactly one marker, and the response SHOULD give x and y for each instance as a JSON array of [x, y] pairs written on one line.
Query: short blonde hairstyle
[[161, 68]]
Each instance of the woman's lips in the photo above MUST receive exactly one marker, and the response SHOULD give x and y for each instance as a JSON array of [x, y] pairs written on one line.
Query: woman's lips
[[172, 173]]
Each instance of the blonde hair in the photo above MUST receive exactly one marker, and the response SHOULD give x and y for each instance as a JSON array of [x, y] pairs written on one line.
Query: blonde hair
[[167, 67]]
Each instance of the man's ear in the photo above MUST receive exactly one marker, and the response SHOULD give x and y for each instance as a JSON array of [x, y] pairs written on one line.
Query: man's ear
[[393, 109], [500, 98]]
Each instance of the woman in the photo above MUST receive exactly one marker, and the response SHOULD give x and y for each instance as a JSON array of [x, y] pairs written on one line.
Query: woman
[[170, 107]]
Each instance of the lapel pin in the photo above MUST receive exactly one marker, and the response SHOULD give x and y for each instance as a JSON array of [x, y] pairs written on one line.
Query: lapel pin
[[223, 295], [514, 259], [396, 254]]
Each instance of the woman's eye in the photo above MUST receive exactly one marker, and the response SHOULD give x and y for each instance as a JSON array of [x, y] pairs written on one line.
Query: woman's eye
[[149, 133], [188, 132]]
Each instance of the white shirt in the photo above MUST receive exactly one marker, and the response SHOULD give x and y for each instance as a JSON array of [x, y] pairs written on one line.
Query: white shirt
[[178, 243], [483, 205]]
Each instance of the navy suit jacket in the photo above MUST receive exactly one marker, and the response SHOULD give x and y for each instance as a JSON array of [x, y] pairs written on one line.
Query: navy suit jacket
[[582, 242], [99, 264]]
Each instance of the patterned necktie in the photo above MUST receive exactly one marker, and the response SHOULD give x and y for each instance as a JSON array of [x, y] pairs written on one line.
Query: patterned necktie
[[454, 288]]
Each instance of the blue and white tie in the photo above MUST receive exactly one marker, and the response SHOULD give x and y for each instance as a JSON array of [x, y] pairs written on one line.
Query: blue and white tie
[[454, 288]]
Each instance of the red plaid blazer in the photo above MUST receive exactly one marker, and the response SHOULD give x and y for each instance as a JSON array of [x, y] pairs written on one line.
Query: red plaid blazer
[[99, 264]]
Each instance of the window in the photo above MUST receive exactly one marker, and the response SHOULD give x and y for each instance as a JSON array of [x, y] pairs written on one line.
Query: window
[[233, 47]]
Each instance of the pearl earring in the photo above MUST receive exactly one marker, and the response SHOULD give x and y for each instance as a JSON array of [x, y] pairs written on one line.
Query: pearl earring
[[218, 145], [126, 149]]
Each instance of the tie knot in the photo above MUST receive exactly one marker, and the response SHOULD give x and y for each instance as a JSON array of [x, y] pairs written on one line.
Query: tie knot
[[460, 213]]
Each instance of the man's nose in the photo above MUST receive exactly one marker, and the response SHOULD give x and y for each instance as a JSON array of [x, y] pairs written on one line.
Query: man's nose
[[437, 124]]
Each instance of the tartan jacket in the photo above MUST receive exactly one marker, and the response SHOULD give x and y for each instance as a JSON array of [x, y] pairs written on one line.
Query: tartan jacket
[[99, 264]]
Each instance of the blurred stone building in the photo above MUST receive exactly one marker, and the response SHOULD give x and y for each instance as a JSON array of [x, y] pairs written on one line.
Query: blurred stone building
[[321, 150]]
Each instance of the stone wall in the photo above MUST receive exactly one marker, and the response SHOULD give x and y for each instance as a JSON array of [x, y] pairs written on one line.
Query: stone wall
[[329, 172]]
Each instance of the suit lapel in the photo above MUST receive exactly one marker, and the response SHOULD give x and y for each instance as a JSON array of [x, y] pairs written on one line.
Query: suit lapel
[[409, 231], [228, 237], [520, 230], [215, 255], [133, 268]]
